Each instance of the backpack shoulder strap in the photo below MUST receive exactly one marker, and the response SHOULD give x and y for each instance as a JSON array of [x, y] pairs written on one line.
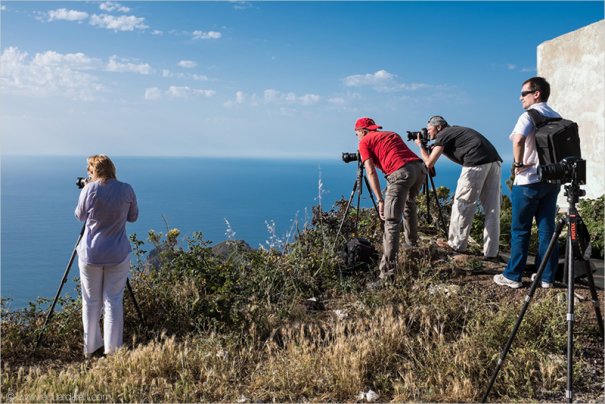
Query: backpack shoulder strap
[[538, 119]]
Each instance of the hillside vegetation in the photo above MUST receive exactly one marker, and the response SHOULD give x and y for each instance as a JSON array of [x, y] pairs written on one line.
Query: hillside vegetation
[[291, 323]]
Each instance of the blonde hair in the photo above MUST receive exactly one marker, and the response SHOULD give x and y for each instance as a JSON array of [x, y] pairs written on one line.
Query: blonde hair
[[103, 166]]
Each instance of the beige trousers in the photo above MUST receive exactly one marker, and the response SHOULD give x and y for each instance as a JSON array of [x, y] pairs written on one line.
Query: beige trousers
[[477, 184]]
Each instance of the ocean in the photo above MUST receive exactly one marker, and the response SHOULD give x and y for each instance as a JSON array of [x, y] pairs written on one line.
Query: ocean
[[38, 197]]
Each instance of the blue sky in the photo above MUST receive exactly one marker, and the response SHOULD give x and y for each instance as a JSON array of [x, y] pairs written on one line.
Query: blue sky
[[262, 79]]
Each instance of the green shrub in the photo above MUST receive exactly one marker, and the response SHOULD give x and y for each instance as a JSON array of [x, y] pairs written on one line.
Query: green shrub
[[236, 327], [593, 213]]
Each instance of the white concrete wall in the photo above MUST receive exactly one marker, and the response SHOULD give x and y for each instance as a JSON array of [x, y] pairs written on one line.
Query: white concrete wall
[[574, 65]]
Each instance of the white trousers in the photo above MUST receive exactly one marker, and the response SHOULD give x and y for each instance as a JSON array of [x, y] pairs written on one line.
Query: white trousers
[[477, 184], [102, 293]]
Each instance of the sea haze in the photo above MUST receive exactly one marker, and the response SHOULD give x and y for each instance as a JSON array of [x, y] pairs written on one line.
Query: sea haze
[[192, 194]]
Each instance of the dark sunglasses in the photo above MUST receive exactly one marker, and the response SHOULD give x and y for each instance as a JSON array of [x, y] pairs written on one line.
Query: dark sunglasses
[[524, 93]]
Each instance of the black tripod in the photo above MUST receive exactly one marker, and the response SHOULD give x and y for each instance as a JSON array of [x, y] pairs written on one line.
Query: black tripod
[[572, 253], [64, 280], [427, 195], [357, 188]]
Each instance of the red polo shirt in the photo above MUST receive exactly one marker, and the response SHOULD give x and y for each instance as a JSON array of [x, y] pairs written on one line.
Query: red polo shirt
[[387, 151]]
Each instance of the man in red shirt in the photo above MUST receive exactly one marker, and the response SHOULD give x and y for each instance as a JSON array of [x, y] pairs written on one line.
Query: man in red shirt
[[405, 173]]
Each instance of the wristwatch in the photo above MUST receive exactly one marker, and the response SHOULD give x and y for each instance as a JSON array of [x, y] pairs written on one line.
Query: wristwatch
[[518, 165]]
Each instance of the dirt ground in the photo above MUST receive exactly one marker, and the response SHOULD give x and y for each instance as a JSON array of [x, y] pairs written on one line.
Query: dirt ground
[[478, 273]]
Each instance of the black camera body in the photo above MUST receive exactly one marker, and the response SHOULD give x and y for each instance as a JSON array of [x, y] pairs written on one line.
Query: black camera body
[[81, 182], [348, 157], [424, 135], [570, 169]]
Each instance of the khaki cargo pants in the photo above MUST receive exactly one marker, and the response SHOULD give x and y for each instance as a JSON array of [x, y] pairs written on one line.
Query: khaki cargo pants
[[400, 203]]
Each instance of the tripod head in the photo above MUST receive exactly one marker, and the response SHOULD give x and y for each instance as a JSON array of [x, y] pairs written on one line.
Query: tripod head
[[573, 192]]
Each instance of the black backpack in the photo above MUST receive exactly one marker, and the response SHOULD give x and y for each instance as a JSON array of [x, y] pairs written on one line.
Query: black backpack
[[358, 253], [556, 138]]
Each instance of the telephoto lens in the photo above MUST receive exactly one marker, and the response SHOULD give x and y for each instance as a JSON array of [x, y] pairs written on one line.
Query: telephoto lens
[[567, 170], [348, 157]]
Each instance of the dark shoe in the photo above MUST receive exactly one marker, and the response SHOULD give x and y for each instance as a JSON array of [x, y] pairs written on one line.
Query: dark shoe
[[497, 259], [446, 246], [99, 353]]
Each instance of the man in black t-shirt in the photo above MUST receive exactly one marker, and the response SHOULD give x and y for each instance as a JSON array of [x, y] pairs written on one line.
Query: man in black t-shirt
[[479, 181]]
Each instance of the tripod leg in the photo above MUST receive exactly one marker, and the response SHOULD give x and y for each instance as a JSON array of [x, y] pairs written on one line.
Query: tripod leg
[[372, 196], [136, 305], [443, 225], [359, 191], [570, 317], [344, 216], [595, 300], [427, 195], [528, 297], [63, 281]]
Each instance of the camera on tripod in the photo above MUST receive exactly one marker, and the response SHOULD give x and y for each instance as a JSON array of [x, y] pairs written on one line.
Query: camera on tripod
[[424, 137], [81, 182], [348, 157], [570, 169]]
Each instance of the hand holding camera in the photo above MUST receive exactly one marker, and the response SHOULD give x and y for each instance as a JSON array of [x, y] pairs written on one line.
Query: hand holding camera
[[421, 138], [81, 182]]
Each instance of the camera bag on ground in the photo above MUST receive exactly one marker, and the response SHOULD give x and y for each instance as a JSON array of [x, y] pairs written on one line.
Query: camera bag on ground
[[358, 253], [556, 138]]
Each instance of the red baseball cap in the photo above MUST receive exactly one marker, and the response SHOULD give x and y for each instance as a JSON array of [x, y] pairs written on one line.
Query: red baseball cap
[[366, 123]]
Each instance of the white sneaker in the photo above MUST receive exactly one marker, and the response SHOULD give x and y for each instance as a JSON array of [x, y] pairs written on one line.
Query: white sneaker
[[504, 281], [545, 285]]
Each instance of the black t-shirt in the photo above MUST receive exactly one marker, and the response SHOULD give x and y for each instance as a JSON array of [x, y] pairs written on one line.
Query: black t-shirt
[[466, 146]]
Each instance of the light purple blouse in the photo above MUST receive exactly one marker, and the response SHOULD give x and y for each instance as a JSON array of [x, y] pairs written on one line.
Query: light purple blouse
[[105, 206]]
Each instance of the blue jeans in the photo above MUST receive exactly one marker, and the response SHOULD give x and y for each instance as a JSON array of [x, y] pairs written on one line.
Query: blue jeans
[[531, 201]]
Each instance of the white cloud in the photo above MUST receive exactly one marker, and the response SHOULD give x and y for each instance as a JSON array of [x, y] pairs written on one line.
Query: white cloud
[[187, 64], [49, 74], [153, 94], [277, 97], [186, 92], [157, 32], [337, 101], [197, 77], [241, 5], [517, 68], [206, 35], [120, 23], [242, 98], [381, 81], [123, 65], [370, 79], [110, 6], [66, 15], [204, 93], [74, 60]]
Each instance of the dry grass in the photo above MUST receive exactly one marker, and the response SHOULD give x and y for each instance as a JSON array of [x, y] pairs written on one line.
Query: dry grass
[[431, 346]]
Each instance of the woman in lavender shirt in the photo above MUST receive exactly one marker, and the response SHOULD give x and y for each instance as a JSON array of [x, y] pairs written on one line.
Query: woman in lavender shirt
[[105, 204]]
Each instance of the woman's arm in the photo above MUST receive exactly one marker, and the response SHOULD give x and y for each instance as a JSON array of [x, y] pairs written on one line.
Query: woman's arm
[[133, 211], [81, 209]]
